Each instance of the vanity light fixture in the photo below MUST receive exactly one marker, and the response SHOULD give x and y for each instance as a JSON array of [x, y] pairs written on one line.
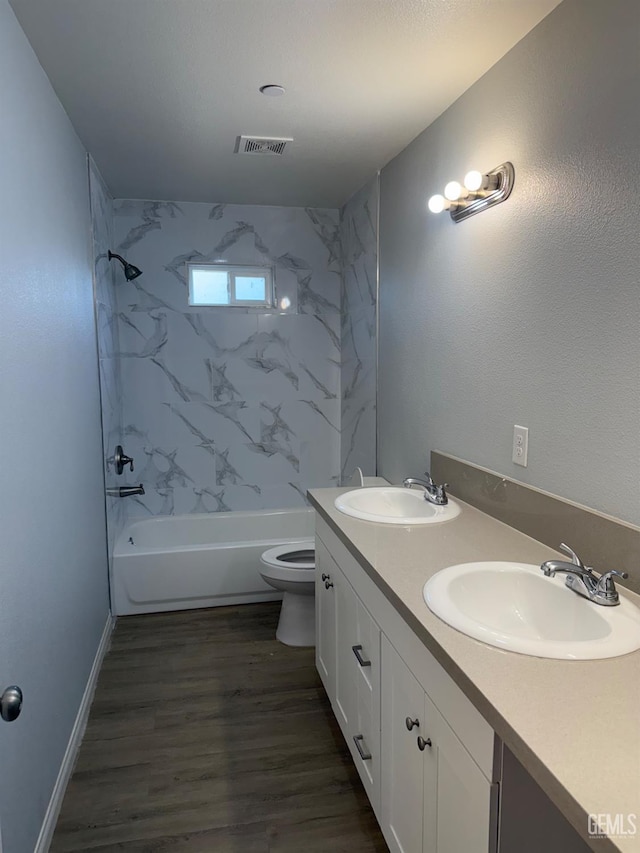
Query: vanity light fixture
[[478, 192], [438, 203], [455, 191]]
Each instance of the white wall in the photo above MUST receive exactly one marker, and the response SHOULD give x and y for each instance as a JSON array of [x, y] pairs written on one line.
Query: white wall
[[528, 313], [53, 568]]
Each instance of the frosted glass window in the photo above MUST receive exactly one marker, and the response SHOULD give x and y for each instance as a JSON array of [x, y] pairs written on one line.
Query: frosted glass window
[[251, 288], [209, 287], [223, 285]]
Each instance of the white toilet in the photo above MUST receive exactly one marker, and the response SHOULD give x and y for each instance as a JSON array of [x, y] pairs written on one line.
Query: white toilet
[[290, 567]]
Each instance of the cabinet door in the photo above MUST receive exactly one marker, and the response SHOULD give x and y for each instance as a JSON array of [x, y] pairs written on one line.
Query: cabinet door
[[326, 571], [402, 765], [346, 684], [463, 801]]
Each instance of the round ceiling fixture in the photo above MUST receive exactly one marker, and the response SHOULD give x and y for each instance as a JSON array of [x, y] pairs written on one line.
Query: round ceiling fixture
[[272, 90]]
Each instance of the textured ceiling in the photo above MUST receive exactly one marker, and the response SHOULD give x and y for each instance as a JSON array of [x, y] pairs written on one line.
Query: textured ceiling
[[158, 90]]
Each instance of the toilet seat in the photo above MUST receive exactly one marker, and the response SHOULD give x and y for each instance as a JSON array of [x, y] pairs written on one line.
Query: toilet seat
[[292, 556]]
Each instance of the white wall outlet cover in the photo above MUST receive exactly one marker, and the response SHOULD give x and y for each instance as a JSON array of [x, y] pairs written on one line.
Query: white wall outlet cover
[[520, 445]]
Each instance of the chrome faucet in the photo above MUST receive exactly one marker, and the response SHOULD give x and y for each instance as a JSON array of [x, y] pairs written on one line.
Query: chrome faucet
[[581, 578], [433, 493]]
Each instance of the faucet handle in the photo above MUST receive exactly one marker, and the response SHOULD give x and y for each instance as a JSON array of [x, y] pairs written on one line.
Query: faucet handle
[[440, 490], [429, 478], [574, 557], [607, 587], [122, 460]]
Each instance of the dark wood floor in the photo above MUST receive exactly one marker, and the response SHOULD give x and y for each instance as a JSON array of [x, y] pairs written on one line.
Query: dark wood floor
[[206, 734]]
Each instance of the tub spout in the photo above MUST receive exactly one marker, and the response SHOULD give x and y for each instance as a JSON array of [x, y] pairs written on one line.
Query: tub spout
[[125, 491]]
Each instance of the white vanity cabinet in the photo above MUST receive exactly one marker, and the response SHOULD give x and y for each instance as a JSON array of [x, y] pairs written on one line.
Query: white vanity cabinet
[[424, 753], [434, 798]]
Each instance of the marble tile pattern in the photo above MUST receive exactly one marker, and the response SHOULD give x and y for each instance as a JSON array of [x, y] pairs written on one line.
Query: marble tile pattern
[[229, 409], [359, 245], [106, 277]]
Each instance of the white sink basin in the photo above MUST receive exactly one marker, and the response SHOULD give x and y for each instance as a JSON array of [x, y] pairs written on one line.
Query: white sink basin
[[394, 505], [514, 606]]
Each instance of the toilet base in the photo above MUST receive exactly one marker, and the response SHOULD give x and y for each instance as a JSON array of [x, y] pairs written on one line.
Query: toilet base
[[297, 625]]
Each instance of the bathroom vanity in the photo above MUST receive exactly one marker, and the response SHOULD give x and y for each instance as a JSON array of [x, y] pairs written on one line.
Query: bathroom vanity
[[462, 747]]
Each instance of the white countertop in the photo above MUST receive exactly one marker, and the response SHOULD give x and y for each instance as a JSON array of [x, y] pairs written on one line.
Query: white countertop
[[574, 725]]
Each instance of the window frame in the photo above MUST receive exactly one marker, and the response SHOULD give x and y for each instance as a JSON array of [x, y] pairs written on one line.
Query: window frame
[[234, 271]]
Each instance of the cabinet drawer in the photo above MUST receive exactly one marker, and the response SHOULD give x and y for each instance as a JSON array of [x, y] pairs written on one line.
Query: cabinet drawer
[[364, 743], [366, 653]]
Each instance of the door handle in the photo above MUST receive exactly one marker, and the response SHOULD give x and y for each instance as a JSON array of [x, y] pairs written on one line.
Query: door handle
[[11, 703]]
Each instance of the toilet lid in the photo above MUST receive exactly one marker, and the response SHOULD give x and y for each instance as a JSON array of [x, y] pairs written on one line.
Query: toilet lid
[[292, 555]]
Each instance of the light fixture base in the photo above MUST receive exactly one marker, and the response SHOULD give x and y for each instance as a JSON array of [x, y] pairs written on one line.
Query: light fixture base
[[479, 201]]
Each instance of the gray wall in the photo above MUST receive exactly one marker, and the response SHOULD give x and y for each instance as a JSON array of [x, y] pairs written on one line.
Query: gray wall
[[528, 313], [359, 242], [53, 596], [229, 410]]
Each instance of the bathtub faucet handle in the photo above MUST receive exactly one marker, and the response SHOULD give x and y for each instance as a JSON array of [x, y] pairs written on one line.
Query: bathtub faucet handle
[[122, 460]]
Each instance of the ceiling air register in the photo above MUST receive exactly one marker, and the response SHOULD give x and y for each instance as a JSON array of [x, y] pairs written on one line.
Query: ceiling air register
[[270, 146]]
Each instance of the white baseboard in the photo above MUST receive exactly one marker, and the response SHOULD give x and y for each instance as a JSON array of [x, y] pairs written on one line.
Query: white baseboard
[[75, 739]]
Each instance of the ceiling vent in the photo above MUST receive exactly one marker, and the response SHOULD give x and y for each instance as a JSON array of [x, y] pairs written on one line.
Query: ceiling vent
[[269, 145]]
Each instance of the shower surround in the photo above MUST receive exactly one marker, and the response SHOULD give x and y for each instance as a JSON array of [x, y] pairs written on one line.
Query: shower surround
[[359, 241], [229, 409]]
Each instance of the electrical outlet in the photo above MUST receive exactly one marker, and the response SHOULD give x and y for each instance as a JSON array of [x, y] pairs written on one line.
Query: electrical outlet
[[520, 445]]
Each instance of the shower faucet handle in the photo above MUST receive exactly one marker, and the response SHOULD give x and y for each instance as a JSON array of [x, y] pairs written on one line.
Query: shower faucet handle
[[122, 460]]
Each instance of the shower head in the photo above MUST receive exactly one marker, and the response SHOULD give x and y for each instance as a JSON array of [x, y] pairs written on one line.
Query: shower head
[[130, 272]]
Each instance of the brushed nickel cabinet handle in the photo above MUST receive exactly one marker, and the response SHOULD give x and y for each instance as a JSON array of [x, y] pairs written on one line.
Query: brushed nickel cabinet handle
[[362, 661], [359, 741]]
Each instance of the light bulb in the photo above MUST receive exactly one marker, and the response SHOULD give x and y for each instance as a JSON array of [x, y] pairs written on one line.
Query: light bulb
[[285, 303], [437, 204], [453, 191], [474, 180]]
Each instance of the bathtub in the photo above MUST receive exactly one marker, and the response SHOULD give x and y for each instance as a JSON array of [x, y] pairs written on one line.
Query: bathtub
[[206, 560]]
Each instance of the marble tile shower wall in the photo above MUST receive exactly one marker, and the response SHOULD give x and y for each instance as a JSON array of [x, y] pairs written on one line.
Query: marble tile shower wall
[[359, 238], [105, 278], [229, 409]]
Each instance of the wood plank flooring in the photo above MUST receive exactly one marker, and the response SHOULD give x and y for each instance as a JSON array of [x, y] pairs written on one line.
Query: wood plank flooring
[[206, 734]]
